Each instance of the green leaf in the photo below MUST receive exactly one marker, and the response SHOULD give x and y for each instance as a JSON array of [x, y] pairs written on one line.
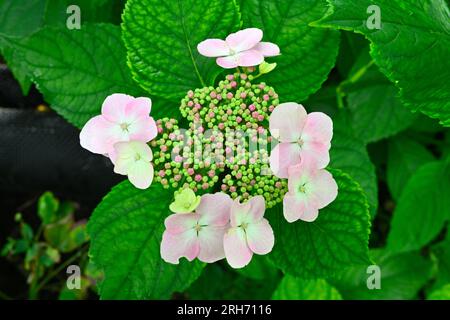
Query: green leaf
[[126, 230], [161, 39], [442, 253], [337, 239], [411, 48], [77, 69], [307, 54], [259, 268], [440, 294], [405, 156], [376, 112], [348, 153], [292, 288], [402, 276], [230, 286], [48, 206], [19, 18], [422, 208]]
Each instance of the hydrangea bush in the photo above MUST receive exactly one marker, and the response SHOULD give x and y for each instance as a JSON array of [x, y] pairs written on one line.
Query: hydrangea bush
[[236, 158]]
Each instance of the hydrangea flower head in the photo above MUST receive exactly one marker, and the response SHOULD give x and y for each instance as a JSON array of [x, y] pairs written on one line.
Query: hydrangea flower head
[[241, 49]]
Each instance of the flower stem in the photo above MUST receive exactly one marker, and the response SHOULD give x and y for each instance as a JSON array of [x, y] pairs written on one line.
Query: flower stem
[[340, 90]]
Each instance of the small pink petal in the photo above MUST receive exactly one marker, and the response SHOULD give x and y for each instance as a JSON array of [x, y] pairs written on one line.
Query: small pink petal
[[143, 129], [287, 121], [283, 156], [239, 213], [237, 252], [249, 58], [257, 208], [229, 62], [213, 48], [138, 107], [211, 243], [141, 174], [180, 222], [318, 127], [311, 213], [293, 208], [260, 237], [114, 106], [214, 209], [244, 39], [184, 244], [93, 136], [268, 49], [325, 188]]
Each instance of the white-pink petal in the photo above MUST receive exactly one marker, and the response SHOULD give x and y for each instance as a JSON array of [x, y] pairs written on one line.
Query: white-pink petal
[[287, 121], [211, 243], [180, 222], [244, 39], [325, 187], [141, 174], [175, 246], [213, 48], [257, 209], [283, 156], [268, 49], [249, 58], [237, 252], [214, 209], [260, 237], [114, 107], [94, 135], [139, 107], [293, 208]]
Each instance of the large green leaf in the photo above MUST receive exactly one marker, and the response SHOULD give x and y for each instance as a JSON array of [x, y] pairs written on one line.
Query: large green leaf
[[405, 156], [307, 54], [292, 288], [126, 230], [422, 208], [19, 18], [77, 69], [375, 110], [162, 36], [401, 277], [411, 47], [337, 239], [348, 153]]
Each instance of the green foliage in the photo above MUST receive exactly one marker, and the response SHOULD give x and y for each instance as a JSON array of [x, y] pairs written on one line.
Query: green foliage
[[401, 277], [349, 154], [405, 156], [291, 288], [158, 35], [308, 54], [126, 231], [219, 282], [77, 69], [440, 294], [337, 239], [426, 24], [422, 209], [376, 111]]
